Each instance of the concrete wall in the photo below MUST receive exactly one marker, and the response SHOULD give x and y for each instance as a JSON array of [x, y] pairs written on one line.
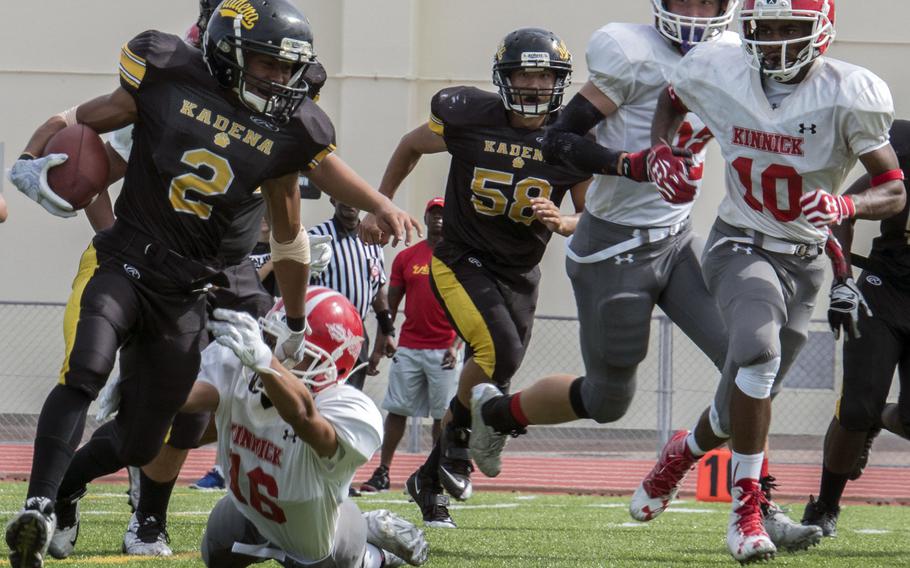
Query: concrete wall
[[385, 60]]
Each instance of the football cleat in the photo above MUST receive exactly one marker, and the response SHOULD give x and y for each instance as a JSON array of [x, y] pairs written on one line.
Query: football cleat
[[392, 534], [63, 543], [485, 444], [787, 534], [747, 539], [433, 504], [455, 465], [132, 493], [378, 482], [863, 458], [146, 535], [211, 481], [29, 533], [660, 486], [822, 515]]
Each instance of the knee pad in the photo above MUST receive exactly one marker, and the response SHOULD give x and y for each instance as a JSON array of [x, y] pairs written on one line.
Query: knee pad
[[607, 398], [717, 424], [757, 380]]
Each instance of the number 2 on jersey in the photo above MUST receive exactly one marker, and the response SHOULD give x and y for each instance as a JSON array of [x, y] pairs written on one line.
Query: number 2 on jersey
[[770, 197], [492, 201], [258, 480], [183, 186]]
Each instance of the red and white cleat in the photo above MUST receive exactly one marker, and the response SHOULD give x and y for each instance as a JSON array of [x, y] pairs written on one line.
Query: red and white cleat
[[747, 539], [661, 485]]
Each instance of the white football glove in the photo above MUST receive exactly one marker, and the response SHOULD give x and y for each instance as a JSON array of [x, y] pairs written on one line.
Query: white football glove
[[320, 253], [30, 177], [843, 311], [240, 332], [291, 351]]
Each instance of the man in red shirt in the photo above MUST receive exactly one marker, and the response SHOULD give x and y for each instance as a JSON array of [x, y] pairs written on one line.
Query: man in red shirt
[[425, 369]]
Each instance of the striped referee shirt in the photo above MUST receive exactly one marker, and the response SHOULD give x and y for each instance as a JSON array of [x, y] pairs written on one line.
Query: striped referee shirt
[[357, 270]]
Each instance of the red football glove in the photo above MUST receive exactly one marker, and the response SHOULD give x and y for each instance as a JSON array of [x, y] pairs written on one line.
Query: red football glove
[[667, 167], [822, 209]]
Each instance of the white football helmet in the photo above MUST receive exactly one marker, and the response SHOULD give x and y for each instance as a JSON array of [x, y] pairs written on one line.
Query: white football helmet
[[689, 31]]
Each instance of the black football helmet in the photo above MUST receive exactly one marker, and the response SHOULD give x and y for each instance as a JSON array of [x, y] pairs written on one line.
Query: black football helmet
[[275, 28], [526, 49], [206, 9]]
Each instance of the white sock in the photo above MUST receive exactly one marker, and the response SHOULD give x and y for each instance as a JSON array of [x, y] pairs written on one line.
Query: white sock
[[373, 557], [747, 466], [693, 445]]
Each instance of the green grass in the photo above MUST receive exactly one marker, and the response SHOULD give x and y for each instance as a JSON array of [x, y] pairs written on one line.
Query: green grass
[[517, 530]]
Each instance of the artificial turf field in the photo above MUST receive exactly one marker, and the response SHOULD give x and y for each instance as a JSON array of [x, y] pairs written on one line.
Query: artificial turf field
[[515, 530]]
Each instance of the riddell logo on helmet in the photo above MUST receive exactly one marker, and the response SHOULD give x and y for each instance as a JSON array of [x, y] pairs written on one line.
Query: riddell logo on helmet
[[242, 8]]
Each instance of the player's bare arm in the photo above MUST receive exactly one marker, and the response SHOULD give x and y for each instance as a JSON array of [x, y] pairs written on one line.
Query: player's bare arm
[[880, 199], [667, 117], [550, 215], [295, 405], [385, 344], [202, 398], [100, 212], [337, 179], [282, 200], [422, 140]]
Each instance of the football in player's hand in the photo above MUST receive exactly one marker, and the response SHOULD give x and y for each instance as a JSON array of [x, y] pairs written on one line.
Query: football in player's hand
[[84, 174]]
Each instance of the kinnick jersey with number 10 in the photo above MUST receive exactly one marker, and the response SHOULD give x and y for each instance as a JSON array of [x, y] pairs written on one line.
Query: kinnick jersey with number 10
[[198, 153], [495, 171], [773, 155]]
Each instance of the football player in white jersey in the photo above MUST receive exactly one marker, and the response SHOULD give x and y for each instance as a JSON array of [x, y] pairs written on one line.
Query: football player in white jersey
[[290, 442], [791, 124], [632, 249]]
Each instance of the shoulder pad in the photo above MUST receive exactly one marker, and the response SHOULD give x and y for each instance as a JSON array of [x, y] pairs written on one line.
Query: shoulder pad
[[462, 106]]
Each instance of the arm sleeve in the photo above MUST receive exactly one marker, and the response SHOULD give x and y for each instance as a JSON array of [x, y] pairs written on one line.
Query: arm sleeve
[[869, 120], [609, 67]]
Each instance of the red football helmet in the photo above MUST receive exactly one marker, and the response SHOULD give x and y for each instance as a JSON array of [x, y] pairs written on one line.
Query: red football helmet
[[333, 339], [820, 13], [688, 31]]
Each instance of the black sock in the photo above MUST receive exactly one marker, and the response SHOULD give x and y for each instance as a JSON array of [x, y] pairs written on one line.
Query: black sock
[[832, 487], [430, 468], [461, 414], [60, 428], [497, 413], [97, 458], [154, 496]]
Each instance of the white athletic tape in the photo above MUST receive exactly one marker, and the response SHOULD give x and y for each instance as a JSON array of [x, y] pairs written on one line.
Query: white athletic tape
[[756, 380], [298, 249]]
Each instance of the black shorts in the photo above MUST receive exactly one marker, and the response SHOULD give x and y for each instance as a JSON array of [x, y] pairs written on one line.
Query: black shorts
[[870, 360], [243, 293], [491, 308], [148, 304]]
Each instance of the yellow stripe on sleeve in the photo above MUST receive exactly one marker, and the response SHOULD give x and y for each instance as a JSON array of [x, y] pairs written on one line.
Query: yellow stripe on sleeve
[[321, 155], [436, 125], [132, 67]]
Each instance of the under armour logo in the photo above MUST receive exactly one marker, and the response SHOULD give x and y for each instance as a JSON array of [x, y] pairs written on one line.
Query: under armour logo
[[738, 248], [624, 260], [803, 128], [289, 434], [132, 271]]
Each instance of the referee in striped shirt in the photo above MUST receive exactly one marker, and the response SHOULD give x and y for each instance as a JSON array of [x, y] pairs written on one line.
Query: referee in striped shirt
[[357, 271]]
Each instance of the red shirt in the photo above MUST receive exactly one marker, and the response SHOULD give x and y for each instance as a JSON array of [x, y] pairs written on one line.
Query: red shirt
[[425, 325]]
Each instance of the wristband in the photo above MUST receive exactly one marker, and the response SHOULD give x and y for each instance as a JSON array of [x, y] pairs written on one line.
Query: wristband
[[890, 175], [296, 324], [386, 325], [27, 156]]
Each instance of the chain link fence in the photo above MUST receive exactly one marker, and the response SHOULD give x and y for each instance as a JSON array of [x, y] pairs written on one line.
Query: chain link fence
[[675, 384]]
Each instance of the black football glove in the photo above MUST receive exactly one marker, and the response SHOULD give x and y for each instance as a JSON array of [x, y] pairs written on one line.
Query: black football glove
[[843, 311]]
